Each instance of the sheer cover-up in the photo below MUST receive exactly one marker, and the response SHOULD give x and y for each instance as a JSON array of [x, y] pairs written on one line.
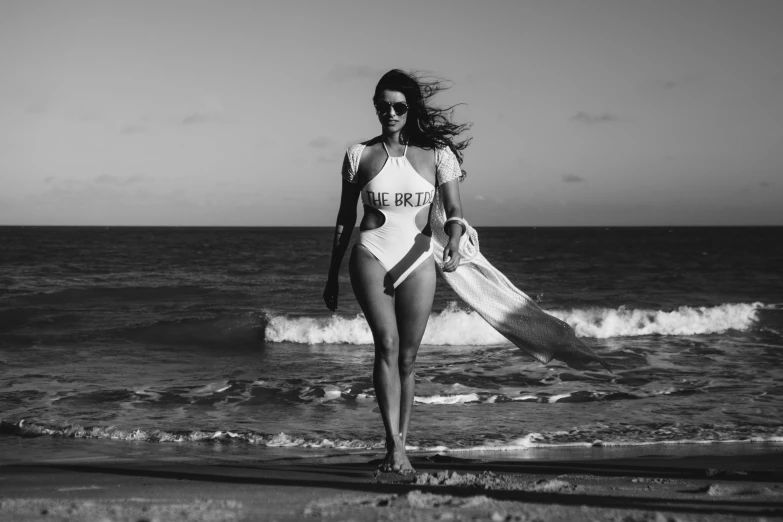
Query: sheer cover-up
[[505, 307]]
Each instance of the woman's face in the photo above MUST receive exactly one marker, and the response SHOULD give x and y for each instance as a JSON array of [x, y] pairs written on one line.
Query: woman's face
[[390, 120]]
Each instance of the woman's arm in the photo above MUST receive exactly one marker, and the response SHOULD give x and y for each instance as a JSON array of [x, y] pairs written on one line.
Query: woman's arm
[[346, 220], [453, 208], [448, 174]]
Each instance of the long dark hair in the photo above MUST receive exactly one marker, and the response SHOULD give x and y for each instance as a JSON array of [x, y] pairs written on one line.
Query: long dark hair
[[428, 126]]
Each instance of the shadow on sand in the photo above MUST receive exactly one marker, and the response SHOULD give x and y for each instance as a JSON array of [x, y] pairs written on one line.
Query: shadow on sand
[[360, 477]]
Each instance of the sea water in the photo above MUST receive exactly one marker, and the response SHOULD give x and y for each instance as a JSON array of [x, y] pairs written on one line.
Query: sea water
[[215, 336]]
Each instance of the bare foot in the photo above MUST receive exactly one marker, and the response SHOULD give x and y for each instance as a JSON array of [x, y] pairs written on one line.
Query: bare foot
[[396, 460]]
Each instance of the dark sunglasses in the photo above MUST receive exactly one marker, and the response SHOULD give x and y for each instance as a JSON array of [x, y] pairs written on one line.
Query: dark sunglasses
[[383, 107]]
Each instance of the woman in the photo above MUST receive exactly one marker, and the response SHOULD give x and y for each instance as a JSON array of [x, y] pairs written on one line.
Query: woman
[[392, 267]]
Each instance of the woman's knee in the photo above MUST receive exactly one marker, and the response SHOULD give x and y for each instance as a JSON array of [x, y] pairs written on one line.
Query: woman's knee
[[406, 362], [387, 346]]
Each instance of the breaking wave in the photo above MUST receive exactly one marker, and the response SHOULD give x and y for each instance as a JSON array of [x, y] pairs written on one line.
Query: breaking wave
[[454, 326], [602, 323]]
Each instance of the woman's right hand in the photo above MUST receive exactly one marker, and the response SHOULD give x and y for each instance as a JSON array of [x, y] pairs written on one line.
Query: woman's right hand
[[330, 294], [451, 256]]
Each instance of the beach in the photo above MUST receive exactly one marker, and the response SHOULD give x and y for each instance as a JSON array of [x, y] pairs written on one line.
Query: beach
[[111, 481], [157, 373]]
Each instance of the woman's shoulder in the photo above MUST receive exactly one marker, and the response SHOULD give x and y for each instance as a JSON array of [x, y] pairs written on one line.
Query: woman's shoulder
[[354, 152], [356, 147], [444, 155], [447, 166], [353, 156]]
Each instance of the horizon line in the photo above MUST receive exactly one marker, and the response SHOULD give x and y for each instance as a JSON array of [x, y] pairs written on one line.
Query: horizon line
[[332, 226]]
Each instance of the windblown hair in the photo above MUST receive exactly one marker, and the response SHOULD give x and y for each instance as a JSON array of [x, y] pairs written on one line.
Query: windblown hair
[[428, 126]]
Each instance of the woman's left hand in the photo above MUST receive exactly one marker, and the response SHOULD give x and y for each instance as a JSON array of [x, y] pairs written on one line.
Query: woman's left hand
[[451, 257], [330, 294]]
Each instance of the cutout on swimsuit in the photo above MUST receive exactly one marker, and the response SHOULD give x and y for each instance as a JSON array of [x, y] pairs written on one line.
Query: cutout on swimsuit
[[373, 218], [422, 221]]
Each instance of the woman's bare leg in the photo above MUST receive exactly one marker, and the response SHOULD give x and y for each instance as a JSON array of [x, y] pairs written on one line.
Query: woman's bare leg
[[413, 304], [367, 279]]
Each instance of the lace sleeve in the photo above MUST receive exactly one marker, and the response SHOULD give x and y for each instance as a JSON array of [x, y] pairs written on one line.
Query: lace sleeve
[[348, 172], [446, 166], [351, 163]]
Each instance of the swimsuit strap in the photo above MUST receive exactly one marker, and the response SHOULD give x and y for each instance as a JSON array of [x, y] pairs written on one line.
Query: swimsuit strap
[[387, 150]]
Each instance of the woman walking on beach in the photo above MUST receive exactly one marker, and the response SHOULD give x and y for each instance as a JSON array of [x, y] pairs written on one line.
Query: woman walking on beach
[[392, 268]]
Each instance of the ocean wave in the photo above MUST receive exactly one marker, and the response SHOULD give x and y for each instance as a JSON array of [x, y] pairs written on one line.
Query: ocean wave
[[235, 394], [583, 436], [35, 428], [602, 323], [454, 326], [450, 399], [547, 398]]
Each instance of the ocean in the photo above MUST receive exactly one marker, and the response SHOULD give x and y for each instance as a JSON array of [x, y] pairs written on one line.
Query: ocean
[[212, 338]]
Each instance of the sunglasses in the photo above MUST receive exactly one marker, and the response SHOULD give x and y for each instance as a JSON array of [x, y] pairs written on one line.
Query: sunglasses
[[383, 107]]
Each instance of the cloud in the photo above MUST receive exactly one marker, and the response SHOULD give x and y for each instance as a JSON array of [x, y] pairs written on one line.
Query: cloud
[[321, 142], [199, 118], [118, 181], [344, 73], [678, 81], [592, 119], [132, 129], [572, 178]]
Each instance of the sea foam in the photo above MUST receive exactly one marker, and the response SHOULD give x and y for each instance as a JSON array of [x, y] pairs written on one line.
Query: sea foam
[[602, 323], [454, 326], [580, 436]]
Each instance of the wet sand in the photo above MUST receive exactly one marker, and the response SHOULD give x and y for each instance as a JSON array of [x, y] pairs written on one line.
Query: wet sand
[[641, 485]]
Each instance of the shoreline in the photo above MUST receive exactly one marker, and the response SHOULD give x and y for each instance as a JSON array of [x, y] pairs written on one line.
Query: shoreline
[[145, 481], [27, 450]]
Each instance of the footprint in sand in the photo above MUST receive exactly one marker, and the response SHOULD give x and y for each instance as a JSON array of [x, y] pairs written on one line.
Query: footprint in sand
[[720, 490]]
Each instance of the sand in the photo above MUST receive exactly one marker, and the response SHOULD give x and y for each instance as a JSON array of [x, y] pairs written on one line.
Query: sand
[[645, 484]]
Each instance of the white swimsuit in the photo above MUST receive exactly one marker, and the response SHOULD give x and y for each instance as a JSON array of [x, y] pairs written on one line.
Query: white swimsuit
[[399, 193]]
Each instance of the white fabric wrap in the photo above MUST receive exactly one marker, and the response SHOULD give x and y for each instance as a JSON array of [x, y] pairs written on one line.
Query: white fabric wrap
[[505, 307]]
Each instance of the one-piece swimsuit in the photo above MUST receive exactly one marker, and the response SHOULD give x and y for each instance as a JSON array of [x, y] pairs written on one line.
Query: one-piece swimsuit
[[399, 193]]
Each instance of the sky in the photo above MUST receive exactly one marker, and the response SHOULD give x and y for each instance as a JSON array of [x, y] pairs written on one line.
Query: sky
[[585, 112]]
